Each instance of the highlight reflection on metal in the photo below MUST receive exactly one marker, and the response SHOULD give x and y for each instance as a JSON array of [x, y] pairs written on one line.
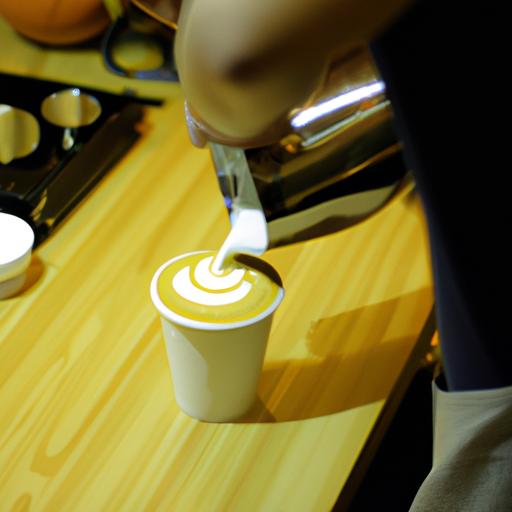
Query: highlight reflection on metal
[[70, 109], [19, 133], [338, 102]]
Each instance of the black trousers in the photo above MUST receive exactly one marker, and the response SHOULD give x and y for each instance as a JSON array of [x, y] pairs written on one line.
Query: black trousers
[[444, 67]]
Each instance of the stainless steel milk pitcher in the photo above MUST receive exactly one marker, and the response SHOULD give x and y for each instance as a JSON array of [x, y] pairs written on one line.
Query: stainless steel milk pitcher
[[340, 163]]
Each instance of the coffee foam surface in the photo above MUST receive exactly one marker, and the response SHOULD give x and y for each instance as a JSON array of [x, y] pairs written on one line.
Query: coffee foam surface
[[190, 288]]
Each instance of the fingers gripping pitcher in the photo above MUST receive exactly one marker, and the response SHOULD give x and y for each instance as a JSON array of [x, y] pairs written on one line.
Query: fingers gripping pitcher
[[216, 326]]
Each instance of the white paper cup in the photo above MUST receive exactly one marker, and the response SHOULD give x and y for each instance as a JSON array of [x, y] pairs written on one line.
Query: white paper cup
[[215, 367]]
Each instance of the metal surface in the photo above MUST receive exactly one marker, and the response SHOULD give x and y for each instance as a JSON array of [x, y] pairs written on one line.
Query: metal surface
[[44, 186], [19, 133], [70, 109]]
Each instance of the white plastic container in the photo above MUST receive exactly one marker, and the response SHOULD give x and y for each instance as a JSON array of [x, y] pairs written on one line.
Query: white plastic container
[[16, 242]]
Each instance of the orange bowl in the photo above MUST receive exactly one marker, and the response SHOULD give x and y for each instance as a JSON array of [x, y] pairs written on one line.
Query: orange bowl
[[56, 22]]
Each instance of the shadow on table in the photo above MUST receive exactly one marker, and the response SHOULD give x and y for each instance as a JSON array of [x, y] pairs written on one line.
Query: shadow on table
[[33, 276], [355, 358], [35, 273]]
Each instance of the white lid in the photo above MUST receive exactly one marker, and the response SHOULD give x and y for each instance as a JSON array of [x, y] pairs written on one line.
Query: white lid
[[16, 241]]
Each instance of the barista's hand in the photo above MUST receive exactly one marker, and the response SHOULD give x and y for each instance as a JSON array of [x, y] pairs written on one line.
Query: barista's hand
[[200, 134], [197, 134], [245, 65]]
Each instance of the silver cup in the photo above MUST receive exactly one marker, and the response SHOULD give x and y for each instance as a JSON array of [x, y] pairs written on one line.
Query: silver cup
[[70, 109]]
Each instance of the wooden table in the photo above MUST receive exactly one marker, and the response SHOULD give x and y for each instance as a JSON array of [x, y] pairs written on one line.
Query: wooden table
[[88, 420]]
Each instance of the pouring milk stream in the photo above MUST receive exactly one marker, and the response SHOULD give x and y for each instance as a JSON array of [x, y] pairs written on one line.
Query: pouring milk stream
[[248, 233]]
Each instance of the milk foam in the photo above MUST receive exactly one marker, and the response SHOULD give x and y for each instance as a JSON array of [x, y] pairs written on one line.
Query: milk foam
[[190, 288], [219, 290]]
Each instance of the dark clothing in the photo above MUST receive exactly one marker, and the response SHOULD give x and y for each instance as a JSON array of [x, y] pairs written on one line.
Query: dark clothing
[[444, 65]]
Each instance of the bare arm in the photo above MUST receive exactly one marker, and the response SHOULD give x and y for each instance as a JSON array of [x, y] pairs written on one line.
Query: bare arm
[[244, 64]]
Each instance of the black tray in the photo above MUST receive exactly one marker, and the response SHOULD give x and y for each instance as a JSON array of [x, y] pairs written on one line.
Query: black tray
[[44, 187]]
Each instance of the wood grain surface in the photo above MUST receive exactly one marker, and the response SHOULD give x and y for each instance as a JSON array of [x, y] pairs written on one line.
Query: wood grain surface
[[88, 420]]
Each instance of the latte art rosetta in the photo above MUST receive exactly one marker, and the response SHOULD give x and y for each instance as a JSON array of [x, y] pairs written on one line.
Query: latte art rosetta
[[189, 287], [202, 286]]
